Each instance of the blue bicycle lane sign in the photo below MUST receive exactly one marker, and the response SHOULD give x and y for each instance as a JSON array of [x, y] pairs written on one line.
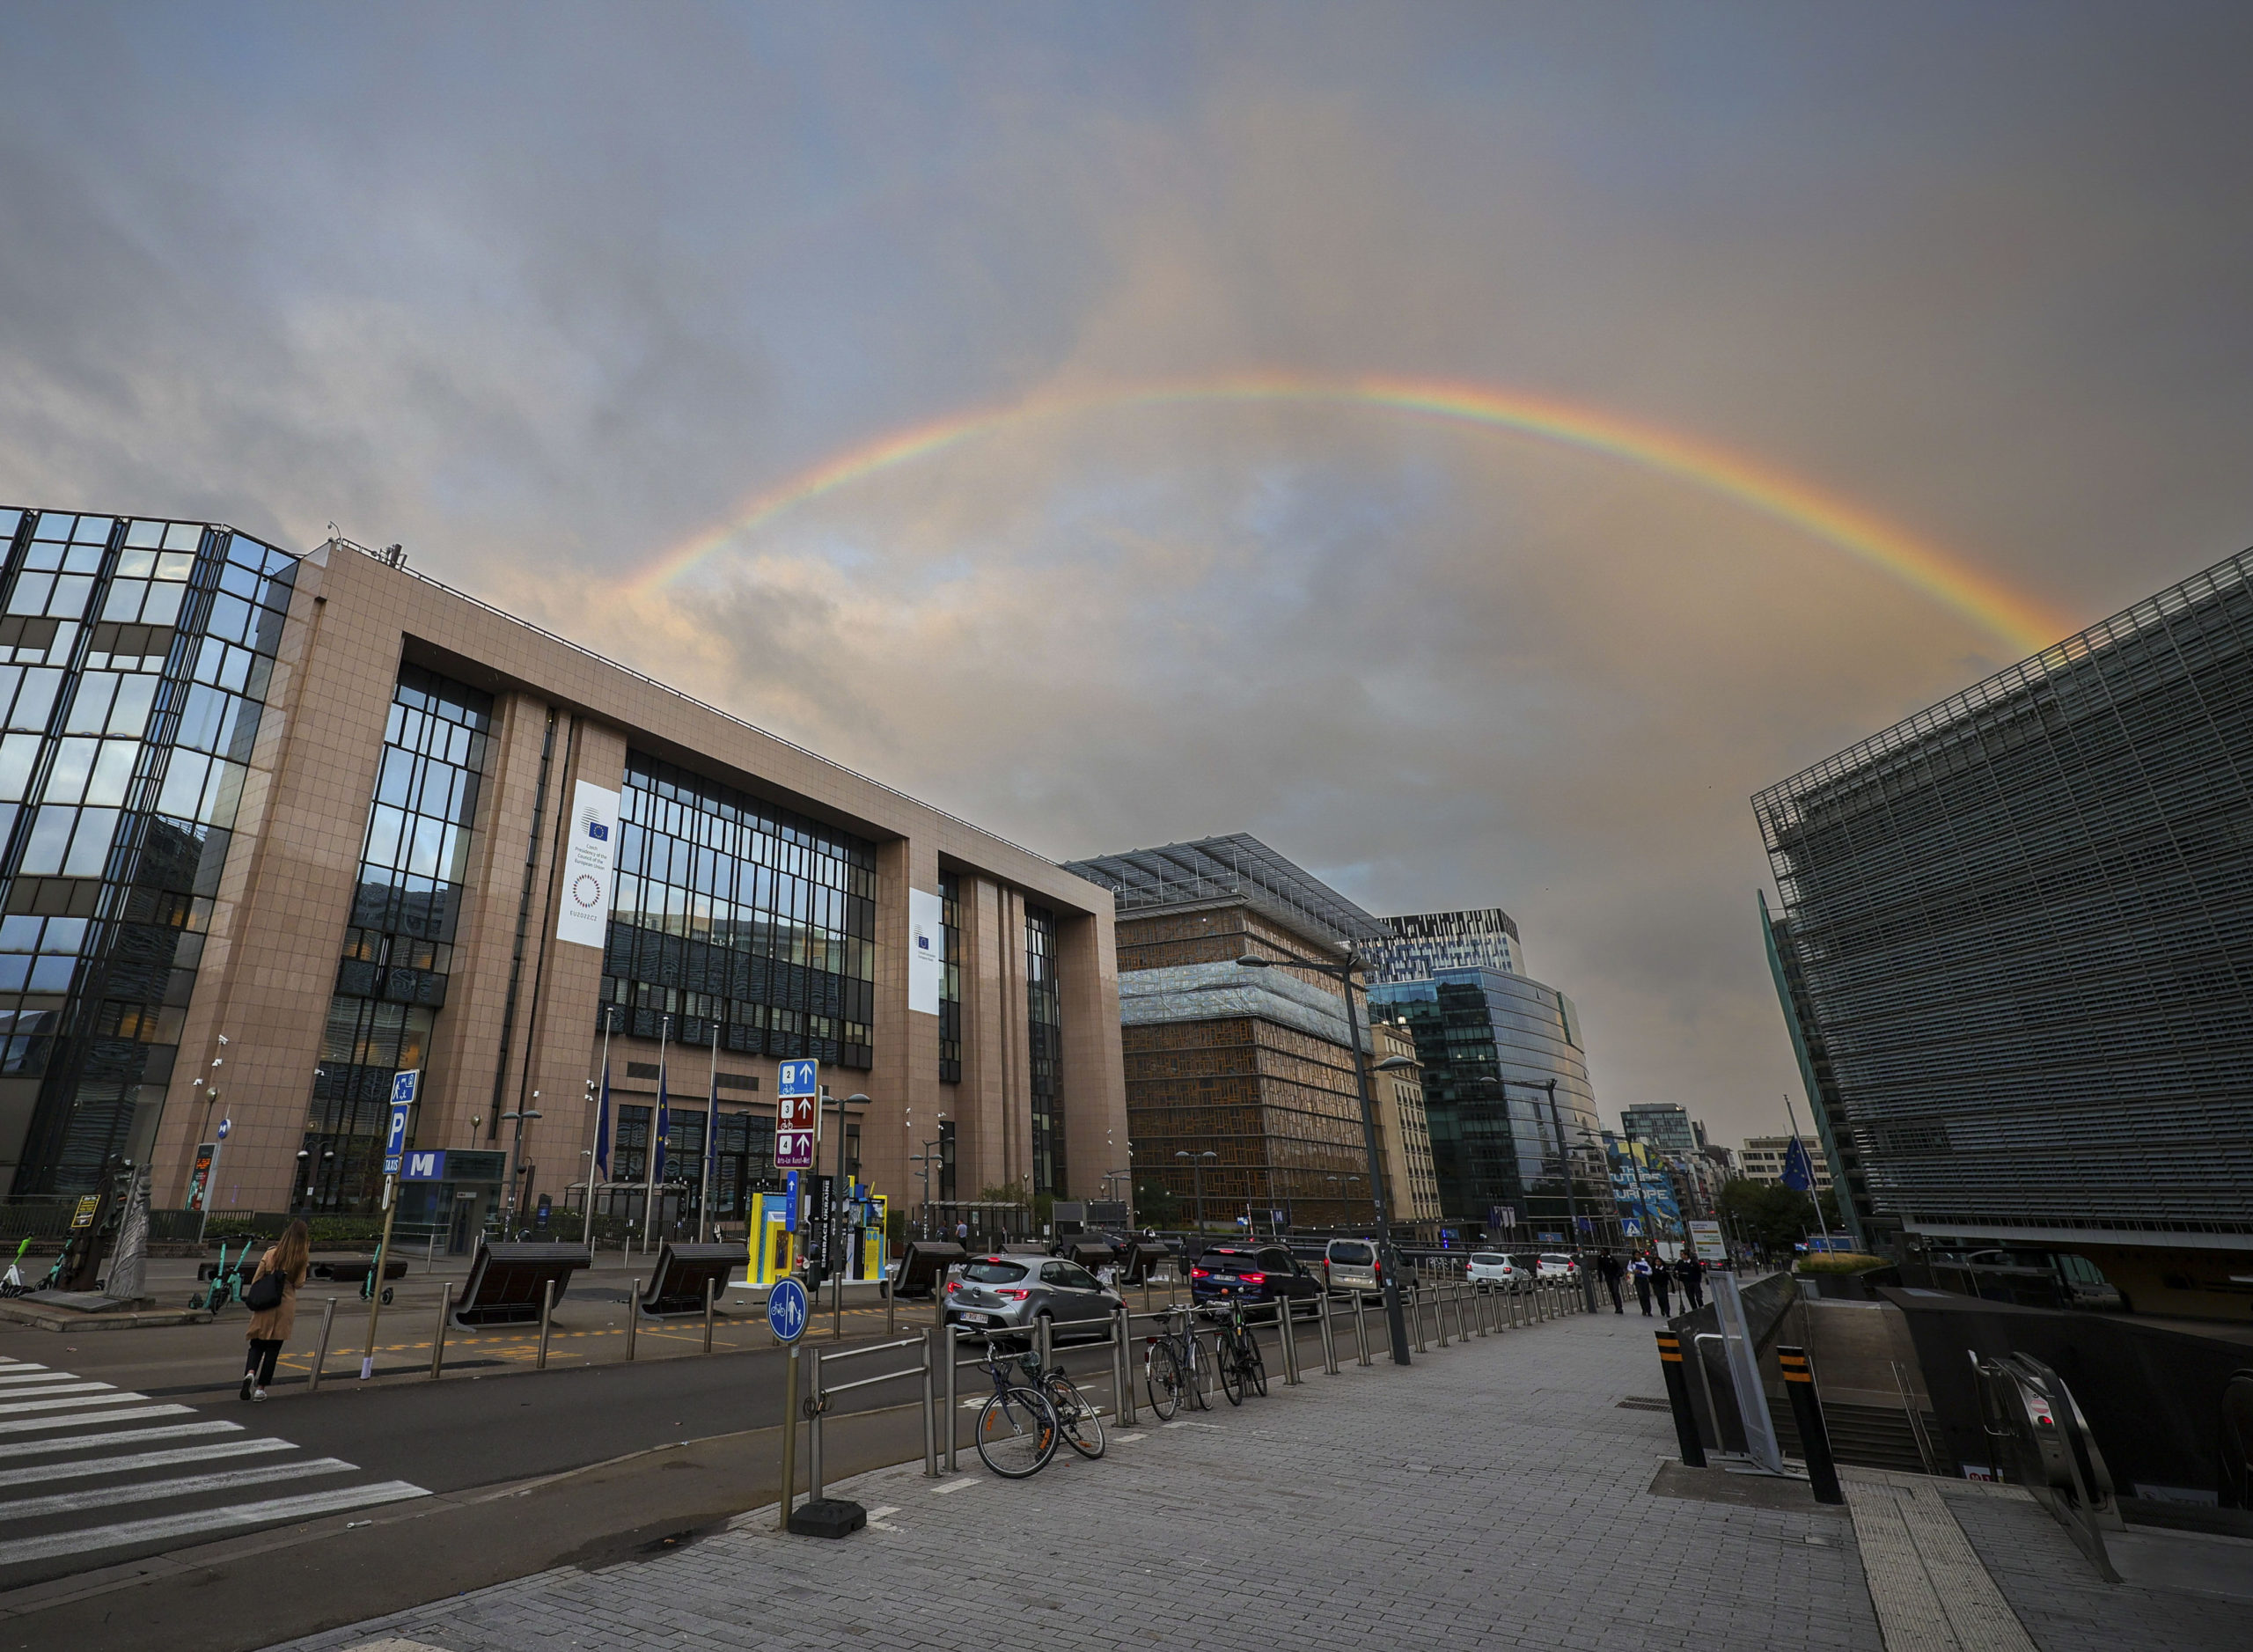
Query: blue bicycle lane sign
[[786, 1311]]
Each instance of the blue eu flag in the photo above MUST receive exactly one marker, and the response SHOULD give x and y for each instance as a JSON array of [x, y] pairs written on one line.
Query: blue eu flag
[[1799, 1171]]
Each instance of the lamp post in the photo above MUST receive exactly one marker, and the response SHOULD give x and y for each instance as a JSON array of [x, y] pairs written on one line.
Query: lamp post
[[928, 1156], [1197, 1165], [1396, 1320], [832, 1242], [516, 1160]]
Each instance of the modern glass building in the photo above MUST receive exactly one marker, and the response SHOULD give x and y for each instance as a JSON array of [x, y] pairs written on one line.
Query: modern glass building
[[1423, 943], [277, 829], [138, 653], [2020, 926], [1493, 1046]]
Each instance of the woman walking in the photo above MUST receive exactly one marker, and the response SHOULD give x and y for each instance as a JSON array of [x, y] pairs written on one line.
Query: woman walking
[[289, 1260]]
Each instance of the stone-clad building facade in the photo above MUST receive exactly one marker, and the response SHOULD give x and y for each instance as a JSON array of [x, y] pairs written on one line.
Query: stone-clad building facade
[[323, 807]]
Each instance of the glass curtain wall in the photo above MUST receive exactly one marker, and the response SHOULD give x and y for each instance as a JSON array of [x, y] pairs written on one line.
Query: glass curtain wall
[[135, 657], [390, 982], [1045, 1034], [734, 915], [951, 979]]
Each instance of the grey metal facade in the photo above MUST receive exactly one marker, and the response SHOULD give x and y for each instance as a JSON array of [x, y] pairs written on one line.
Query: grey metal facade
[[2022, 924], [1424, 943]]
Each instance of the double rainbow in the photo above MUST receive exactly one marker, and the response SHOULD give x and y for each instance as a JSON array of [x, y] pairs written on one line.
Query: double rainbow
[[2024, 624]]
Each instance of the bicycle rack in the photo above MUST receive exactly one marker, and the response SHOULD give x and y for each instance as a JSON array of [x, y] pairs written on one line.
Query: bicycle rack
[[804, 1374]]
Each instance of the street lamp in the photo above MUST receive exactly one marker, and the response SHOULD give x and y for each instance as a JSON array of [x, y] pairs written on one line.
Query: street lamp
[[1197, 1163], [1396, 1321], [517, 1157], [927, 1157]]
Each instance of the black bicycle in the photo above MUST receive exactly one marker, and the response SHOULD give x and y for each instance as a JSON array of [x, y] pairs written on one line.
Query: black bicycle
[[1173, 1367], [1238, 1355], [1018, 1428], [1076, 1414]]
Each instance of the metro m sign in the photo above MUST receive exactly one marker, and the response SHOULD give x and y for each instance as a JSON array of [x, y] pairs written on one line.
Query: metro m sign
[[425, 1167]]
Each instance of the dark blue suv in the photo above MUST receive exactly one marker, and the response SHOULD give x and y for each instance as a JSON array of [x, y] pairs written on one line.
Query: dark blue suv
[[1252, 1274]]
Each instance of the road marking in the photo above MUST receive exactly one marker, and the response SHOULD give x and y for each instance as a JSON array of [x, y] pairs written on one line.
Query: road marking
[[952, 1486], [157, 1490], [197, 1521], [77, 1400], [25, 1425], [122, 1436], [879, 1513], [15, 1396], [253, 1445], [1128, 1439], [26, 1374]]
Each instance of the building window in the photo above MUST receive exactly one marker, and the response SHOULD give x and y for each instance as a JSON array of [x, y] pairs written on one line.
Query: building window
[[392, 980], [736, 916], [1045, 1030], [951, 978], [134, 662]]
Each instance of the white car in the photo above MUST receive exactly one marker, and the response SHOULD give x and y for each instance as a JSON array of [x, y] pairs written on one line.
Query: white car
[[1491, 1270], [1556, 1265]]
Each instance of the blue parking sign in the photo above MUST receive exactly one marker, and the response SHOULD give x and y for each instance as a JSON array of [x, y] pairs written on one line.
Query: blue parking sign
[[786, 1311]]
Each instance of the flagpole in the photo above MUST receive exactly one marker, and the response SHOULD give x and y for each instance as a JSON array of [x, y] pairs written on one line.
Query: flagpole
[[602, 1116], [1813, 1192], [711, 1141], [650, 1154]]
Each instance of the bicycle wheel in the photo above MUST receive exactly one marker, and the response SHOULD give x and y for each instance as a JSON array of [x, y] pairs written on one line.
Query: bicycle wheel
[[1231, 1364], [1082, 1429], [1018, 1433], [1162, 1380]]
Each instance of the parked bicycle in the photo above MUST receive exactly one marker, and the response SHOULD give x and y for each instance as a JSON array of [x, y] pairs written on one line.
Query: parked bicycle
[[1173, 1367], [1019, 1427], [1075, 1413], [1237, 1353]]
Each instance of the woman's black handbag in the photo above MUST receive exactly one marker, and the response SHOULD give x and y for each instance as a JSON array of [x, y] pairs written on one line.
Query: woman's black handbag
[[265, 1293]]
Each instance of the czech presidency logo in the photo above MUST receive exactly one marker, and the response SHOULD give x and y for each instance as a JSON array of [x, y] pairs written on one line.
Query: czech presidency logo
[[585, 890]]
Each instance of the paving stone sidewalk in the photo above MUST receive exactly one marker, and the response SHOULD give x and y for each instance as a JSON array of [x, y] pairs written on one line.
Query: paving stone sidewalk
[[1493, 1495]]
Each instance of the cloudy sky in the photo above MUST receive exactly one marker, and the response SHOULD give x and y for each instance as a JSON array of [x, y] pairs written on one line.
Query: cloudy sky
[[550, 293]]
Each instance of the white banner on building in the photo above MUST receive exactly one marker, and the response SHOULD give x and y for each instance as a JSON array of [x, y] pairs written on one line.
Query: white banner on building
[[926, 951], [589, 856]]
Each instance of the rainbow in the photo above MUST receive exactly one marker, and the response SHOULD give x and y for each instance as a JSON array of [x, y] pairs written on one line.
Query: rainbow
[[2026, 624]]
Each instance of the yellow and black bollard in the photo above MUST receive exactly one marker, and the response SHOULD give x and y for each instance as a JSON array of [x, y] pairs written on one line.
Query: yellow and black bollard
[[1678, 1396], [1807, 1413]]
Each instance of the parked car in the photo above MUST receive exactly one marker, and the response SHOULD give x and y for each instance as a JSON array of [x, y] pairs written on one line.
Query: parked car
[[1352, 1265], [1252, 1274], [1013, 1292], [1556, 1265], [1491, 1270]]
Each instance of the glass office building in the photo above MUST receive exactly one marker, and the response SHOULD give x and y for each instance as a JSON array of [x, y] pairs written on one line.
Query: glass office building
[[135, 655], [2017, 930], [1492, 1045]]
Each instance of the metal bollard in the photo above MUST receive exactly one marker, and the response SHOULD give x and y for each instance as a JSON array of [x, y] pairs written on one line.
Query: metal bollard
[[1807, 1413], [546, 1308], [891, 1309], [1124, 1330], [1044, 1332], [633, 1316], [789, 1440], [950, 1337], [328, 1319], [1416, 1319], [1361, 1330], [930, 1409], [709, 1287], [1439, 1312], [1678, 1399], [1290, 1334], [815, 1486], [438, 1336], [1481, 1305], [1329, 1340]]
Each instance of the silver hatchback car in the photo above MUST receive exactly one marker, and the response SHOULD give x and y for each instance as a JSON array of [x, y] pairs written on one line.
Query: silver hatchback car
[[1013, 1292]]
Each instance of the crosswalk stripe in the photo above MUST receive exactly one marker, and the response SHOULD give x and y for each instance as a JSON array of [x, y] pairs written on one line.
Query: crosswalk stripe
[[24, 1425], [77, 1399], [14, 1394], [254, 1445], [30, 1374], [121, 1436], [197, 1521], [157, 1490]]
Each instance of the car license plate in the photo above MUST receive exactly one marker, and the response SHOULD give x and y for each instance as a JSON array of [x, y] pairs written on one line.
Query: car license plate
[[974, 1320]]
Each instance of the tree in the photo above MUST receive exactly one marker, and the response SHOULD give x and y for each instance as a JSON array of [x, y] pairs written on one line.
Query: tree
[[1768, 1215]]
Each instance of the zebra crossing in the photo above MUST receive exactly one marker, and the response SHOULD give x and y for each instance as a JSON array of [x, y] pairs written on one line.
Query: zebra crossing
[[76, 1453]]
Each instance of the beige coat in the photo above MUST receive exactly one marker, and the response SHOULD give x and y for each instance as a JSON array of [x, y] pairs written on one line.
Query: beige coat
[[275, 1324]]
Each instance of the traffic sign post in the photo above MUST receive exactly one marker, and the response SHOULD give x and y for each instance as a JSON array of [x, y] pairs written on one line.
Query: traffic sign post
[[787, 1311], [797, 1119], [403, 1089]]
